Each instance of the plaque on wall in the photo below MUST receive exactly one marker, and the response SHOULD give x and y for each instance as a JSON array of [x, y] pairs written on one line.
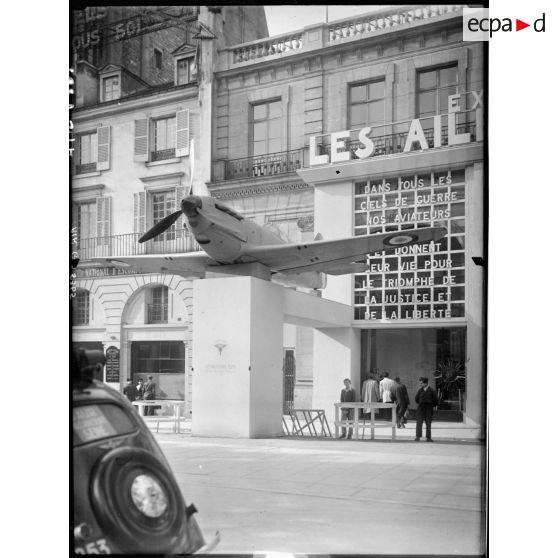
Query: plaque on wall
[[112, 367]]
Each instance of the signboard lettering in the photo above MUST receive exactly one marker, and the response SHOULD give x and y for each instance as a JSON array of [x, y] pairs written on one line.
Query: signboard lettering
[[112, 366]]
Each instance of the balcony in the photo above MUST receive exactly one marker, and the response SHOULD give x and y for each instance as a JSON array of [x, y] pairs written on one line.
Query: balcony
[[163, 154], [170, 242], [265, 165], [157, 313], [84, 169]]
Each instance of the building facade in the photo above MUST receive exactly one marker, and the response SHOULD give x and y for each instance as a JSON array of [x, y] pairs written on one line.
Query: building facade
[[139, 89], [370, 124]]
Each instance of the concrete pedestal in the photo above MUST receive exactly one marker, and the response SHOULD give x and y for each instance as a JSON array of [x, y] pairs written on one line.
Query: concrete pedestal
[[237, 382]]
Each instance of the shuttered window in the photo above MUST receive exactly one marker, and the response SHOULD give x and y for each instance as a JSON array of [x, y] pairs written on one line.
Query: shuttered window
[[163, 204], [158, 139], [92, 151]]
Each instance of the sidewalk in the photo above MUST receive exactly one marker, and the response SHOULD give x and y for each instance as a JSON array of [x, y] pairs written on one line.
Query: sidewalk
[[326, 496], [442, 431]]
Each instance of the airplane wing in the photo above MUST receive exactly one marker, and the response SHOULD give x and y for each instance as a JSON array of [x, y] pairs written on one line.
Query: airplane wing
[[336, 255], [187, 264]]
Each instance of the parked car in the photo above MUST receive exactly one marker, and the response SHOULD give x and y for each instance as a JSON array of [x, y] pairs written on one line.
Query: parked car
[[126, 499]]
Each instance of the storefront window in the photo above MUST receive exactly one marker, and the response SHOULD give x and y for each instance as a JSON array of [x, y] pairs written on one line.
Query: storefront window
[[164, 360], [437, 353]]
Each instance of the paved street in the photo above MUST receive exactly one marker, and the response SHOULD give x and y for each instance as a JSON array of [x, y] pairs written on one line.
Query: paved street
[[332, 496]]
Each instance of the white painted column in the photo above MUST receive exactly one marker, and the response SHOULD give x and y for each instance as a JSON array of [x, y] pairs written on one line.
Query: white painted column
[[475, 276], [237, 384]]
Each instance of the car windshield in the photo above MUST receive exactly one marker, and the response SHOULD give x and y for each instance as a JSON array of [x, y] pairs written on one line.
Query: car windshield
[[98, 421]]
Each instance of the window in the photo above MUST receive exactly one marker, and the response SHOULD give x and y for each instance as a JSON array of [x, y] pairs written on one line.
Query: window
[[111, 88], [185, 70], [434, 87], [80, 307], [163, 204], [367, 106], [158, 308], [85, 219], [157, 58], [164, 138], [86, 153], [266, 128]]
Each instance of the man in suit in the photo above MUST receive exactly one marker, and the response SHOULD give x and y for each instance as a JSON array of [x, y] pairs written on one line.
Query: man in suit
[[426, 400], [149, 393], [348, 395], [130, 390], [401, 397]]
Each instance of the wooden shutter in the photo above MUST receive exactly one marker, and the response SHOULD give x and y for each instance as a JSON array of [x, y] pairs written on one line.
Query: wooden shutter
[[141, 140], [182, 133], [139, 212], [104, 204], [103, 148]]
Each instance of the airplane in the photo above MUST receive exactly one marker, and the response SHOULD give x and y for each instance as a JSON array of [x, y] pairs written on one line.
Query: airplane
[[230, 243]]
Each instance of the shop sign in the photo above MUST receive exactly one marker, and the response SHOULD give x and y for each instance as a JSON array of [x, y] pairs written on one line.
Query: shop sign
[[338, 140], [112, 366]]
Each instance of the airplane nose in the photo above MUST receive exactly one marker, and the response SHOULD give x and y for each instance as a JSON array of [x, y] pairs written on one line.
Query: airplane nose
[[190, 205]]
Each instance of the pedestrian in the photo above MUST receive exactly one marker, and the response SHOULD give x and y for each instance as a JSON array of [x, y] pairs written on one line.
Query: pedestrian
[[140, 388], [130, 390], [370, 392], [401, 397], [386, 386], [348, 395], [149, 394], [426, 400]]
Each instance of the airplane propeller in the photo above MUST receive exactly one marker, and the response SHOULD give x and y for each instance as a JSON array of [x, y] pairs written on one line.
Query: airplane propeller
[[161, 226]]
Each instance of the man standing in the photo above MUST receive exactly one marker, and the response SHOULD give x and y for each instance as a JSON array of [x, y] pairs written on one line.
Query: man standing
[[386, 386], [130, 390], [401, 397], [348, 395], [149, 393], [426, 399], [370, 392]]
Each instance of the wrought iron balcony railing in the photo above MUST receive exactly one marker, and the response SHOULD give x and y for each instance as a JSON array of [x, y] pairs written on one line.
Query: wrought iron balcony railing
[[163, 154], [157, 313], [85, 168], [128, 245], [264, 165]]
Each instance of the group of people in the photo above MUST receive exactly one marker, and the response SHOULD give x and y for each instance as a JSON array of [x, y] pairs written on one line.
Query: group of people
[[386, 390], [141, 391]]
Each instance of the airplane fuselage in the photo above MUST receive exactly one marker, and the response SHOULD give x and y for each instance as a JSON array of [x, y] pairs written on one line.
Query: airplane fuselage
[[224, 234]]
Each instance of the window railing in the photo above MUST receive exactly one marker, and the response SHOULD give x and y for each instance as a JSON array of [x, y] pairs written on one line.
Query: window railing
[[163, 154], [157, 313], [128, 245], [85, 168], [264, 165], [395, 143]]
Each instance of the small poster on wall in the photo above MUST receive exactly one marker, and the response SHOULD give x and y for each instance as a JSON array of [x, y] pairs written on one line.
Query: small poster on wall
[[113, 365]]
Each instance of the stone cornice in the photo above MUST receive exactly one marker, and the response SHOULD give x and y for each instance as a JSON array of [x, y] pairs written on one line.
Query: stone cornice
[[181, 93]]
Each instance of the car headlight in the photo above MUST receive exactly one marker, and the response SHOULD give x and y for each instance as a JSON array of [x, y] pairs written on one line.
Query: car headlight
[[148, 496]]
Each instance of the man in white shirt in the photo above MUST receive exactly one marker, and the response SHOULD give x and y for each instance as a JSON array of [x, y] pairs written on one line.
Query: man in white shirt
[[386, 387]]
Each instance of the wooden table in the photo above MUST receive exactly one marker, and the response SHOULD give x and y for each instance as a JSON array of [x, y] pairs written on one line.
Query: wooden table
[[355, 422], [142, 404]]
